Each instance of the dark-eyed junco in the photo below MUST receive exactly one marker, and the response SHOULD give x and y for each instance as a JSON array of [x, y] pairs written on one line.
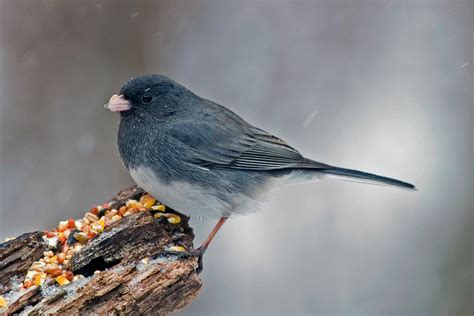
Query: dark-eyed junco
[[200, 158]]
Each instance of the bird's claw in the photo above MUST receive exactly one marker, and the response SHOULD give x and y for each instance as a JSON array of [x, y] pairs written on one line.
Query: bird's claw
[[199, 252]]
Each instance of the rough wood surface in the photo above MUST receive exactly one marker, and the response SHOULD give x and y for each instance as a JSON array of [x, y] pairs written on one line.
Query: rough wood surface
[[117, 281]]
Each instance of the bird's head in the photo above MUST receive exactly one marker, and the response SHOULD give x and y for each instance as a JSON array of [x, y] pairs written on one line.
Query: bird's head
[[148, 94]]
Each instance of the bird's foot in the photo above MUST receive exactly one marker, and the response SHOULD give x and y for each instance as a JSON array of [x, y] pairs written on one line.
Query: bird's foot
[[199, 252]]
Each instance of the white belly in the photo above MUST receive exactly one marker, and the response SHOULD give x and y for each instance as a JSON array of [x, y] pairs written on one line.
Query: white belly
[[182, 196]]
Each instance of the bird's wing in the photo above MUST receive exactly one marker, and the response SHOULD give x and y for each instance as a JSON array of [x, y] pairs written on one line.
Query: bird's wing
[[235, 144], [269, 153]]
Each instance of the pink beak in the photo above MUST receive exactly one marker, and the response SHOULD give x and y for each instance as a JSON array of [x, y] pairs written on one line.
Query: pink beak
[[118, 104]]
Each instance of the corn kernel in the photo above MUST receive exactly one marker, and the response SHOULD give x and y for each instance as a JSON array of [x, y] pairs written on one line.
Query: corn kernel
[[158, 215], [98, 226], [62, 280], [147, 201], [173, 218], [39, 278], [178, 248], [3, 303], [160, 208]]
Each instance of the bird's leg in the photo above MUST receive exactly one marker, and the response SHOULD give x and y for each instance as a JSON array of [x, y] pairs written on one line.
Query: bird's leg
[[202, 249], [213, 233], [199, 252]]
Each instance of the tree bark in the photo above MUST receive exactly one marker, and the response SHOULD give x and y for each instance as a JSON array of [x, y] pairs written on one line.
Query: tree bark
[[117, 277]]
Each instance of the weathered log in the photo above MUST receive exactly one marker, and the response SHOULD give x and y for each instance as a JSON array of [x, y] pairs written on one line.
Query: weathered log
[[117, 277]]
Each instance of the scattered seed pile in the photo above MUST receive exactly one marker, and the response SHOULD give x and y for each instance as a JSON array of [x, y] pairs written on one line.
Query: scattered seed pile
[[71, 235]]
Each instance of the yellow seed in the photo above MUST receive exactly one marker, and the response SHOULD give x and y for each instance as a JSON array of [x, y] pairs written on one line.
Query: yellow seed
[[158, 215], [3, 303], [62, 280], [177, 248], [147, 201], [98, 226], [39, 278], [160, 208], [173, 218]]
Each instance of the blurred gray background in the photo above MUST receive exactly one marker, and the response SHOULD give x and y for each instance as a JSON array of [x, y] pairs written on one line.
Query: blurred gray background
[[382, 86]]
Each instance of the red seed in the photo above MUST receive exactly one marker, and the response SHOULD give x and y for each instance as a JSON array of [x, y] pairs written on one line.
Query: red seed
[[94, 210], [71, 223], [62, 239], [50, 234], [69, 275], [56, 273]]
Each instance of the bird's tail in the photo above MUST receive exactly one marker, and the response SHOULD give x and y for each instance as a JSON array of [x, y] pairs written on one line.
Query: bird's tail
[[360, 176]]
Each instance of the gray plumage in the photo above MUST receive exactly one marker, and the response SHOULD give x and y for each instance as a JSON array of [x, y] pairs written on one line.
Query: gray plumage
[[173, 140]]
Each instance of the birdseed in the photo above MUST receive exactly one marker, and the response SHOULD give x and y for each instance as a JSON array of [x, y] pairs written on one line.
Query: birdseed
[[71, 235], [3, 302]]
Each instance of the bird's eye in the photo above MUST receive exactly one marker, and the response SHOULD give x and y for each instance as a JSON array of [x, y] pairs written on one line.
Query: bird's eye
[[147, 99]]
